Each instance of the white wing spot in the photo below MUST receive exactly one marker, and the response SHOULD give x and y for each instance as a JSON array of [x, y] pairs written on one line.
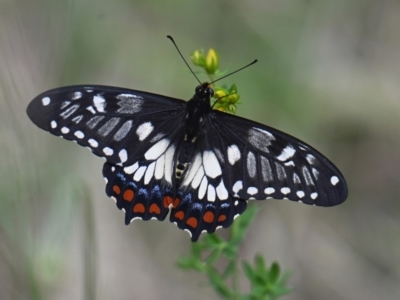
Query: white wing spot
[[159, 173], [269, 190], [233, 154], [68, 112], [157, 137], [91, 109], [108, 151], [296, 178], [197, 178], [132, 168], [310, 158], [193, 171], [266, 169], [211, 193], [139, 173], [109, 126], [157, 149], [280, 170], [334, 180], [237, 186], [123, 155], [260, 139], [169, 161], [188, 231], [221, 191], [123, 130], [211, 164], [129, 104], [252, 190], [144, 130], [300, 194], [307, 176], [77, 119], [203, 187], [65, 130], [53, 124], [79, 134], [315, 173], [149, 172], [236, 203], [289, 163], [287, 153], [251, 164], [76, 95], [64, 104], [99, 102], [46, 101], [314, 196], [285, 190], [93, 122], [93, 143]]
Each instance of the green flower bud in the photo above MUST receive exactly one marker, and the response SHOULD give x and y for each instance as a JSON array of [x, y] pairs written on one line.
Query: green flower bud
[[211, 61], [198, 58], [219, 93]]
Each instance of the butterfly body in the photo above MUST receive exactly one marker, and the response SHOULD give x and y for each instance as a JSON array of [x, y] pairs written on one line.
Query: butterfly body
[[165, 155]]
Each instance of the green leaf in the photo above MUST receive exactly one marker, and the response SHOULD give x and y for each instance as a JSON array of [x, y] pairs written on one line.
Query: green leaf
[[248, 271], [274, 272], [218, 283], [229, 270]]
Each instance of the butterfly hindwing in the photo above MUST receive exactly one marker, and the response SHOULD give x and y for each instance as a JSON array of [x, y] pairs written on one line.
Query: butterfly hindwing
[[201, 215], [138, 200]]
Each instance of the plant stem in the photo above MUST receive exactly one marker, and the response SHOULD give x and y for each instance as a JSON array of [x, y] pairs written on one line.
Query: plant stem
[[235, 279]]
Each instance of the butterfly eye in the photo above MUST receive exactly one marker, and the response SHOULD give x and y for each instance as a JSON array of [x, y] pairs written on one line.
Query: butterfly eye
[[210, 91], [198, 89]]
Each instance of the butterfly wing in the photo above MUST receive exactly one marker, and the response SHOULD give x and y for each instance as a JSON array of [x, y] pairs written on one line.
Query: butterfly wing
[[238, 160], [136, 132], [262, 162], [115, 123]]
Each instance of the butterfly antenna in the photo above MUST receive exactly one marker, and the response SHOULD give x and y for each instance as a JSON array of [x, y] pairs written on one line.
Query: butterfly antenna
[[172, 40], [252, 63]]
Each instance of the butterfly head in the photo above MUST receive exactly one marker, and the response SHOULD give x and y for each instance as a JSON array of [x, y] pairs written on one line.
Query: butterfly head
[[204, 91]]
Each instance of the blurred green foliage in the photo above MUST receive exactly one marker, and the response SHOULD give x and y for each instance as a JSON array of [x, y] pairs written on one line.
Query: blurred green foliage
[[212, 251]]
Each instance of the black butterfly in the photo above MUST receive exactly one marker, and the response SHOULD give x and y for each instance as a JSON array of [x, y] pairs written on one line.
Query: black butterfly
[[168, 154]]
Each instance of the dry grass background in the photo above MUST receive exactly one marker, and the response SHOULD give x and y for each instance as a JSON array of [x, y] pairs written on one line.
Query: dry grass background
[[328, 73]]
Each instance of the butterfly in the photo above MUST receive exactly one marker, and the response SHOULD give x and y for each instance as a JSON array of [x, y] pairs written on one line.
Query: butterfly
[[169, 155]]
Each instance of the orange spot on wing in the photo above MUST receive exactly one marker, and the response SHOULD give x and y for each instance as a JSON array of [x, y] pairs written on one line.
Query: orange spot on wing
[[176, 203], [208, 217], [192, 222], [116, 189], [221, 218], [180, 215], [167, 201], [154, 208], [128, 195], [139, 208]]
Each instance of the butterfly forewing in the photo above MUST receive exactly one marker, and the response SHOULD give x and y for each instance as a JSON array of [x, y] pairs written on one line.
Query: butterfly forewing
[[118, 124], [261, 162]]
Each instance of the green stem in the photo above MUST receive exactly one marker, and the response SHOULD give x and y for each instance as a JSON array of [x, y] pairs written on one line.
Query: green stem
[[235, 279]]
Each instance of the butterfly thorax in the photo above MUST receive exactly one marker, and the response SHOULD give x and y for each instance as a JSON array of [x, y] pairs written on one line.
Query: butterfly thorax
[[197, 109]]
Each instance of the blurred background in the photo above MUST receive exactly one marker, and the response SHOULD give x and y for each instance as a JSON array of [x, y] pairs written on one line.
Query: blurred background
[[328, 73]]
